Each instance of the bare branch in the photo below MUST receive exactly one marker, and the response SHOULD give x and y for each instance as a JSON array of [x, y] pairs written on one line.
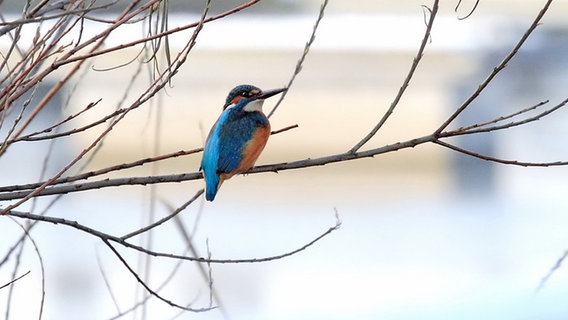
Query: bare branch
[[498, 160], [498, 119], [497, 69], [91, 174], [107, 283], [152, 292], [118, 240], [147, 297], [300, 62], [483, 127], [471, 11], [14, 280], [41, 265], [166, 218], [118, 167], [214, 295], [554, 268], [406, 81], [294, 126], [198, 175]]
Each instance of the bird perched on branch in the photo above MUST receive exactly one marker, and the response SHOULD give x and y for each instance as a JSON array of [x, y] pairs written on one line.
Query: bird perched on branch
[[237, 138]]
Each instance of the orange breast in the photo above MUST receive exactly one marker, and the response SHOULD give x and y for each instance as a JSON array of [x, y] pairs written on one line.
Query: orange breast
[[253, 148]]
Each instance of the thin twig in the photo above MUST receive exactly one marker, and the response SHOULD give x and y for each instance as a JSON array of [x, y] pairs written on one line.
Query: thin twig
[[284, 129], [496, 70], [14, 280], [510, 124], [499, 119], [214, 295], [118, 240], [552, 270], [32, 136], [300, 62], [499, 160], [41, 266], [164, 219], [90, 174], [138, 304], [152, 292], [406, 82], [209, 273], [471, 11], [107, 283]]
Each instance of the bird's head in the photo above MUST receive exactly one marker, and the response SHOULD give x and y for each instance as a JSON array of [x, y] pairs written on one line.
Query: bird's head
[[246, 93]]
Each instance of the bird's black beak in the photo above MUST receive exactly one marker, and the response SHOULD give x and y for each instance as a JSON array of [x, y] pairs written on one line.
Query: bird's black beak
[[269, 93]]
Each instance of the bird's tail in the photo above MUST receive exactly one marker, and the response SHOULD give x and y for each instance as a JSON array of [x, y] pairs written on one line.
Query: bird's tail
[[212, 184]]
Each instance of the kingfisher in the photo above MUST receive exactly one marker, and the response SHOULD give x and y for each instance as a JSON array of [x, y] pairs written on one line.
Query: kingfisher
[[237, 138]]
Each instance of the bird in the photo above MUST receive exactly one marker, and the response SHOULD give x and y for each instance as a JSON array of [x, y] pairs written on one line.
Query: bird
[[237, 138]]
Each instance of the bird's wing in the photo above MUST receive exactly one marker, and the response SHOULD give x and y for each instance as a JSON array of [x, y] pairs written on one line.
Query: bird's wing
[[209, 155], [235, 134], [233, 137]]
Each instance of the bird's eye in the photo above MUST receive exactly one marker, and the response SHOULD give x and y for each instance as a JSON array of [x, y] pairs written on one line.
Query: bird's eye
[[245, 94]]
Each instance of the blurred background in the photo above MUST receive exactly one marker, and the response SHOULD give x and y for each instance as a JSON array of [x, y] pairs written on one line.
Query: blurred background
[[426, 233]]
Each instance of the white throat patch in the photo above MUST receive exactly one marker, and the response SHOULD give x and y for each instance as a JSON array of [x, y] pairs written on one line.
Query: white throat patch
[[255, 105]]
